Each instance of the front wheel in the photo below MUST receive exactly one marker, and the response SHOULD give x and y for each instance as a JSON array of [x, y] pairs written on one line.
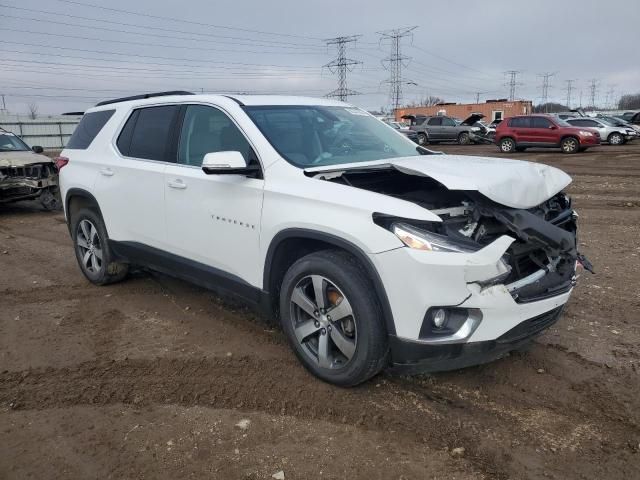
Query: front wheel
[[464, 139], [507, 145], [95, 258], [332, 318], [570, 145], [615, 139]]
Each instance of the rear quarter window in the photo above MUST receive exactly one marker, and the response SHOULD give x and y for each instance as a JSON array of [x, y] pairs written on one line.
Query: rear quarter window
[[88, 128]]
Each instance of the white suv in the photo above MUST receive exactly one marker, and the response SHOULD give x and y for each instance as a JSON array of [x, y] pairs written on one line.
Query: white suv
[[370, 250]]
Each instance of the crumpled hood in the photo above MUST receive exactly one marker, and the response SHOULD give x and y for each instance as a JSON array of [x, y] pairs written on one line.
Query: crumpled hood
[[21, 158], [512, 183]]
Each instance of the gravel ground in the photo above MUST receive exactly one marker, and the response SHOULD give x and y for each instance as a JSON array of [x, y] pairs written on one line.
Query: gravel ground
[[156, 378]]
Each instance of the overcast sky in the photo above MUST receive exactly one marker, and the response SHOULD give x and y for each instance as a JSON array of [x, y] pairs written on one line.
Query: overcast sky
[[64, 55]]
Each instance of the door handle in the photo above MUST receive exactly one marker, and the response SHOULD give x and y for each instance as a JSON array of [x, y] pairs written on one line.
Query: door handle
[[177, 184], [107, 172]]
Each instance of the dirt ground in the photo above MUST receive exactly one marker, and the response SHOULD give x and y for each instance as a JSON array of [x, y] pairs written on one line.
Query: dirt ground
[[155, 378]]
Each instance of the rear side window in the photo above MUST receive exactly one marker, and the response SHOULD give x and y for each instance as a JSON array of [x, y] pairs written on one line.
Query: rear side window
[[88, 128], [520, 122], [435, 121], [148, 133]]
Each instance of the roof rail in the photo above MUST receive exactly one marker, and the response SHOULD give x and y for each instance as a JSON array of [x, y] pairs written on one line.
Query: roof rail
[[143, 96]]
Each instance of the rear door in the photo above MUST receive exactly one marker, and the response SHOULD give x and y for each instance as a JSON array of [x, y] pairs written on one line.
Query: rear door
[[520, 128], [434, 128], [130, 184], [213, 220]]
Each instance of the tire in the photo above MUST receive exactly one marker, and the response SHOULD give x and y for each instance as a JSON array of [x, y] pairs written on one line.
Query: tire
[[422, 139], [570, 145], [49, 199], [507, 145], [464, 139], [615, 139], [90, 242], [355, 345]]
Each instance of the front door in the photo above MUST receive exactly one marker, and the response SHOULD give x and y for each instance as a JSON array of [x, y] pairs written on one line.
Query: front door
[[543, 131], [449, 130], [213, 220]]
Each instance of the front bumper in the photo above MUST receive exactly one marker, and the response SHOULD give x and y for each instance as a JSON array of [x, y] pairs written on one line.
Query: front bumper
[[415, 357]]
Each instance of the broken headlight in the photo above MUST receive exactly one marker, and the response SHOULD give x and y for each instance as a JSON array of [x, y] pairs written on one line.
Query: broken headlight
[[420, 239]]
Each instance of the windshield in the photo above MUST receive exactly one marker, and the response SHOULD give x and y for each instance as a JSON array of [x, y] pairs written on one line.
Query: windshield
[[311, 136], [10, 143]]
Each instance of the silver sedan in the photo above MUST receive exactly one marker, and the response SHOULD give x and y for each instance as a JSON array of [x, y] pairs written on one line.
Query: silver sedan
[[610, 133]]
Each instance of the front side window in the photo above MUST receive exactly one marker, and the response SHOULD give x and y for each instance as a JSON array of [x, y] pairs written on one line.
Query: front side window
[[540, 122], [206, 130], [448, 122], [11, 143], [147, 133], [309, 136]]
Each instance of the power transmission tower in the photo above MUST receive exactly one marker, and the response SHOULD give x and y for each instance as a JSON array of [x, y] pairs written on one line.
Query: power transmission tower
[[395, 61], [593, 88], [478, 96], [610, 102], [545, 89], [341, 65], [513, 83], [4, 105], [569, 91]]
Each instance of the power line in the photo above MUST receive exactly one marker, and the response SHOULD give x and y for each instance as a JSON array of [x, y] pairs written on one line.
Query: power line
[[513, 83], [569, 91], [191, 22], [341, 65], [395, 61]]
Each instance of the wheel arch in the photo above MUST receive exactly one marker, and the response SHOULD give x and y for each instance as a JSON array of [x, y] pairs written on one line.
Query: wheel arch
[[291, 244], [76, 199]]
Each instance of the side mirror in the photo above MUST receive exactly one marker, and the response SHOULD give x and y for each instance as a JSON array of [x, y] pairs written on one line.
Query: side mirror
[[552, 127], [227, 163], [37, 149]]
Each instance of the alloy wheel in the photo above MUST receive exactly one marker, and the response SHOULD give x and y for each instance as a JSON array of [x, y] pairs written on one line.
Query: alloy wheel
[[570, 145], [615, 139], [507, 145], [89, 246], [323, 322]]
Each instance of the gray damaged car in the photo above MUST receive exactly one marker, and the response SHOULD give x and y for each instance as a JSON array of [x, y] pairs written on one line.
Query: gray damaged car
[[440, 128], [26, 174]]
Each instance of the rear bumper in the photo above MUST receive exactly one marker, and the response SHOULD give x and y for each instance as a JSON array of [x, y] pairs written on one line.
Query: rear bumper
[[415, 357]]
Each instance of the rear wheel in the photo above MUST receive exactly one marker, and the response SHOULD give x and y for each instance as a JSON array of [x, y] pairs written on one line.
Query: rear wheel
[[332, 318], [507, 145], [570, 145], [95, 258], [422, 139], [464, 139], [615, 139]]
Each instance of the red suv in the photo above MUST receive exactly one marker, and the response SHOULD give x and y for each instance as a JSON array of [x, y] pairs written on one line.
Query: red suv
[[518, 133]]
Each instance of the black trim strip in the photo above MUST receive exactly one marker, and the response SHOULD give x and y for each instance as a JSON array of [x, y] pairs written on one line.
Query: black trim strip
[[234, 99], [195, 272]]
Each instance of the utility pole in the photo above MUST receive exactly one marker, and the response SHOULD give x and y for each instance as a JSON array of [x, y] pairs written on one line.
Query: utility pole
[[593, 88], [512, 83], [478, 97], [545, 89], [341, 65], [4, 105], [395, 61], [569, 90]]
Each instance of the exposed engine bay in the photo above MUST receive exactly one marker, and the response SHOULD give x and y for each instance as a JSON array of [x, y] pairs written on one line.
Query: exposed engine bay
[[544, 255]]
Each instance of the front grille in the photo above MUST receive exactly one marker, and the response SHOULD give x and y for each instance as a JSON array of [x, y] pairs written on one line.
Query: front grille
[[531, 327], [35, 171]]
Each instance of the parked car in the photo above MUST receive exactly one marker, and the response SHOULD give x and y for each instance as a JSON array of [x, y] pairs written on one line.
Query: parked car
[[632, 117], [382, 254], [404, 130], [26, 174], [609, 132], [515, 134], [438, 129]]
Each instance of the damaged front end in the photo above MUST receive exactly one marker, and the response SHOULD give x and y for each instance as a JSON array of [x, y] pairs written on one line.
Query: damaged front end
[[28, 181], [535, 248]]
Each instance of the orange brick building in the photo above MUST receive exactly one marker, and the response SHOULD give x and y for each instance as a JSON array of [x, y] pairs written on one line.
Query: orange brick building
[[492, 110]]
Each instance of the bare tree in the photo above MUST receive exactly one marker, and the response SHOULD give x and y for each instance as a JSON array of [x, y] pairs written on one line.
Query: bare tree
[[33, 111], [426, 101], [629, 102]]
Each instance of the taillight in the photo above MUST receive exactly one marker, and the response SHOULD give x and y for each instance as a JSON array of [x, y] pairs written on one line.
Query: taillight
[[60, 162]]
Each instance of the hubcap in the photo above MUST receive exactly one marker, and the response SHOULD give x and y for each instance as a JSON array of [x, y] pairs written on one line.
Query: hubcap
[[616, 139], [89, 246], [323, 322], [506, 146]]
